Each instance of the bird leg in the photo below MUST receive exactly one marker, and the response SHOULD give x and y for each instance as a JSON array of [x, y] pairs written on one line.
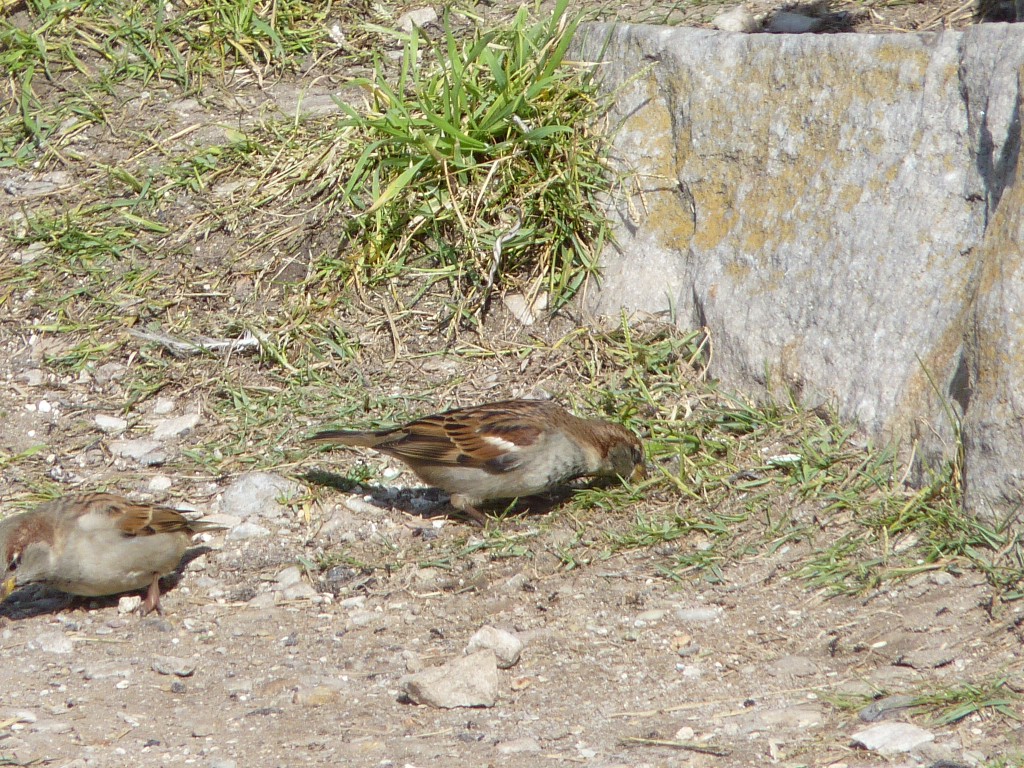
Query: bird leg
[[152, 601], [464, 504]]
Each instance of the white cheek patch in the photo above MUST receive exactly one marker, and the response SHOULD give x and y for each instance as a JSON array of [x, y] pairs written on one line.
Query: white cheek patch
[[506, 446]]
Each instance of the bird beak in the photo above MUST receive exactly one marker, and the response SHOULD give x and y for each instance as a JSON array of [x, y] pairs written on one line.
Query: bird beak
[[639, 473], [7, 587]]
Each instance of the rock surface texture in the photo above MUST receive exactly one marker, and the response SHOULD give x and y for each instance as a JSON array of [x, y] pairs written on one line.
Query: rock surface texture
[[843, 214]]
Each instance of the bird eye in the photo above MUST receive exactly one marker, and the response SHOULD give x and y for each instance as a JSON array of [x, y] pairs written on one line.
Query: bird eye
[[15, 559]]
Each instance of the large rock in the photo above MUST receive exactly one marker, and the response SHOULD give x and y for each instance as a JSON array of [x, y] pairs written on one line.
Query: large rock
[[839, 212]]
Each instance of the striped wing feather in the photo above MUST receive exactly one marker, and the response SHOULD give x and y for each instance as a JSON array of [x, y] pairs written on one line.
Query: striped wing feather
[[484, 437]]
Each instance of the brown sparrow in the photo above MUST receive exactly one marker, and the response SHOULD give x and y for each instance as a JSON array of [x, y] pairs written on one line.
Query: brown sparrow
[[503, 450], [95, 544]]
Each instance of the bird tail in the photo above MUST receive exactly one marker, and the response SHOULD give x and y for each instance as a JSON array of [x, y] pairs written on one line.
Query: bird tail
[[345, 437]]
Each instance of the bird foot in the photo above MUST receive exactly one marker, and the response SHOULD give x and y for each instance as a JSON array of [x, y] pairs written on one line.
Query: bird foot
[[470, 512], [152, 600]]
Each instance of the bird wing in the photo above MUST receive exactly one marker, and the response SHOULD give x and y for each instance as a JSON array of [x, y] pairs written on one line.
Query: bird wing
[[131, 519], [488, 437]]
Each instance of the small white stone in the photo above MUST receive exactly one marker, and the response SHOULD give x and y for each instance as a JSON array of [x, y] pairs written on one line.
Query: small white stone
[[129, 604], [134, 449], [54, 642], [697, 615], [892, 738], [163, 406], [738, 19], [173, 665], [505, 645], [418, 17], [357, 505], [180, 425], [33, 377], [160, 483], [112, 425], [290, 575], [526, 312], [300, 591]]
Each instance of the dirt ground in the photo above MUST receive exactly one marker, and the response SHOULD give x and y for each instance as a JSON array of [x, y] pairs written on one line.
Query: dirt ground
[[264, 659]]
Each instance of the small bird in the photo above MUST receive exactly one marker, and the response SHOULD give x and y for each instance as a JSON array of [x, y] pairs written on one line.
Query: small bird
[[95, 544], [503, 450]]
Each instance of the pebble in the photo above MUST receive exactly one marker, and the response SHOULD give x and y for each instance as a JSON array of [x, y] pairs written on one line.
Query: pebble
[[892, 738], [175, 427], [697, 615], [109, 372], [256, 494], [738, 19], [173, 665], [52, 727], [470, 681], [418, 17], [160, 483], [360, 506], [247, 531], [33, 377], [521, 744], [522, 309], [112, 425], [506, 646], [54, 642], [103, 670], [362, 618], [146, 452], [301, 591], [290, 575], [516, 583], [164, 406], [262, 601], [690, 671], [649, 617], [788, 23], [413, 661], [129, 604]]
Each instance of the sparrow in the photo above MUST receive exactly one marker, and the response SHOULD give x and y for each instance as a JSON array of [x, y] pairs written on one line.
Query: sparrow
[[503, 450], [95, 544]]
